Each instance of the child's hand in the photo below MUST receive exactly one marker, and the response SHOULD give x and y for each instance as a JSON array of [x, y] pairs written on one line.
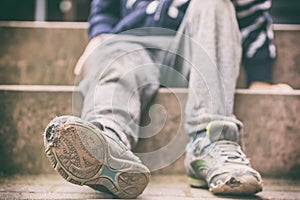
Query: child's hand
[[91, 46], [280, 87]]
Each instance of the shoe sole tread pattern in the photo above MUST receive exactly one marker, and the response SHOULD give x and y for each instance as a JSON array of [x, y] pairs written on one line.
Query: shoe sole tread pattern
[[73, 153]]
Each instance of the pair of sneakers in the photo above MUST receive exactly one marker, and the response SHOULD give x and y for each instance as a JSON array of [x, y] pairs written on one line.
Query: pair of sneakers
[[83, 154]]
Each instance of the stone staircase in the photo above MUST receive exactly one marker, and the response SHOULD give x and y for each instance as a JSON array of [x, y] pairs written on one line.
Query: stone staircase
[[37, 84]]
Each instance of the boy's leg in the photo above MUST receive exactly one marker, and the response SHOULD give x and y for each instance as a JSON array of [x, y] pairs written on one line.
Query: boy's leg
[[212, 49], [119, 84], [259, 50], [91, 151]]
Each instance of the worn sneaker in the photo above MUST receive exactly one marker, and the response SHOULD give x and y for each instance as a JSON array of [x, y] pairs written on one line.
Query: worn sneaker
[[215, 160], [85, 155]]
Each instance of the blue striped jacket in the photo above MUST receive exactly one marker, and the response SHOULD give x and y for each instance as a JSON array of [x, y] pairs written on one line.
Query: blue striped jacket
[[255, 23]]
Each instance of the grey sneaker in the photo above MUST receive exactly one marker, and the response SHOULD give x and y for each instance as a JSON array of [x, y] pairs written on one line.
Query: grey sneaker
[[215, 160], [85, 155]]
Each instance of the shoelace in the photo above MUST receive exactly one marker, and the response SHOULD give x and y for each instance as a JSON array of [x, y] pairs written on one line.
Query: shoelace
[[231, 151]]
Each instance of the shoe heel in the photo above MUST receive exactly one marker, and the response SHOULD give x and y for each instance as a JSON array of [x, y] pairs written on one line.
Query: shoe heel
[[132, 183]]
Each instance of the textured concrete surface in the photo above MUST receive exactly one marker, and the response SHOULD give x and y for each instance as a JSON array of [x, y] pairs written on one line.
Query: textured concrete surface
[[164, 135], [287, 65], [40, 55], [50, 51], [160, 187], [271, 133], [24, 116]]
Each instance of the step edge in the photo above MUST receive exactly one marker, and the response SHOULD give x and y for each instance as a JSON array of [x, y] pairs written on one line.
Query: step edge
[[71, 88], [268, 92], [39, 88], [84, 25], [46, 25], [286, 27]]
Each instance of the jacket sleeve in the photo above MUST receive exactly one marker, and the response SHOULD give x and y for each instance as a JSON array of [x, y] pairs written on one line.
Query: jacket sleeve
[[259, 49], [104, 15]]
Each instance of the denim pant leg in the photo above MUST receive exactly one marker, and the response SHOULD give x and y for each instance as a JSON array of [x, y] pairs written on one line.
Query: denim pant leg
[[120, 75], [210, 43]]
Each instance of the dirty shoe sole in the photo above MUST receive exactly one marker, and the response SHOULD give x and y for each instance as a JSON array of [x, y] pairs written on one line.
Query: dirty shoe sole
[[81, 155]]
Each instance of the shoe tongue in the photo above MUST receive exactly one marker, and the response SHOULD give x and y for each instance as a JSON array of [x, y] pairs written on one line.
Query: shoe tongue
[[222, 131]]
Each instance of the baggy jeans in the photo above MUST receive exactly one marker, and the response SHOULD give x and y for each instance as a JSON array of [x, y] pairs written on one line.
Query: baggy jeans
[[126, 70]]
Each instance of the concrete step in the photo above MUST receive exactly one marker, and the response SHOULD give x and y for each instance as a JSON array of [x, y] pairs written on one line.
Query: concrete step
[[50, 50], [40, 53], [170, 187], [270, 137], [26, 110]]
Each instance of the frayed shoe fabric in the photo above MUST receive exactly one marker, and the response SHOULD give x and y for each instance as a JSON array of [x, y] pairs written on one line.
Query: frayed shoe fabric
[[215, 160]]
